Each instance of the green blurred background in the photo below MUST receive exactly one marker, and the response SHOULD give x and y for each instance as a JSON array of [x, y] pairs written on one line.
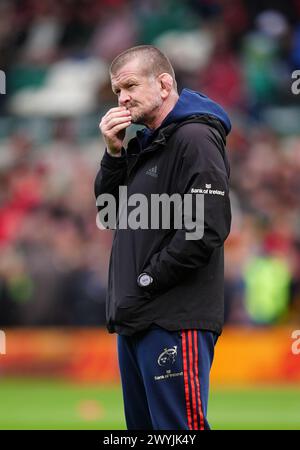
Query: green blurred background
[[53, 258], [56, 405]]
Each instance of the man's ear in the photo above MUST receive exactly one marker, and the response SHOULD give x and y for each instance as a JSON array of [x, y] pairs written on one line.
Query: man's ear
[[166, 84]]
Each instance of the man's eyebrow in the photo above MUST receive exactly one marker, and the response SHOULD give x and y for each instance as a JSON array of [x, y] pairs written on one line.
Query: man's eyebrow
[[115, 87]]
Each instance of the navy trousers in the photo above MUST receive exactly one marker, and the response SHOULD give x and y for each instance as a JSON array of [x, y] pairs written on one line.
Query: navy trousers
[[165, 378]]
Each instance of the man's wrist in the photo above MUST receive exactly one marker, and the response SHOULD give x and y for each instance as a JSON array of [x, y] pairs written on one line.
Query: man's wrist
[[114, 154]]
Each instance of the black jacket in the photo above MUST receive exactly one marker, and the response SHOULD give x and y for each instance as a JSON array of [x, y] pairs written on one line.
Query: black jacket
[[188, 274]]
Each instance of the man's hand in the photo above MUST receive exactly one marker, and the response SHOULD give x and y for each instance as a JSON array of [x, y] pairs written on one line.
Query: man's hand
[[113, 127]]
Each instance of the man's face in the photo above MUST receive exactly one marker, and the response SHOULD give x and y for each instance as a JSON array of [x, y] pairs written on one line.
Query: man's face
[[137, 91]]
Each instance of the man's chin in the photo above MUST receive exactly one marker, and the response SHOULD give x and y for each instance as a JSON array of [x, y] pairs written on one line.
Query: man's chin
[[138, 120]]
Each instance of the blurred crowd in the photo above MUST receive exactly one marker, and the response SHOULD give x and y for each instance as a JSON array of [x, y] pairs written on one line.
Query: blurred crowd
[[55, 54]]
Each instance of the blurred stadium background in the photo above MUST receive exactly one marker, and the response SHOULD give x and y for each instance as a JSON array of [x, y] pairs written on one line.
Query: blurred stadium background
[[60, 368]]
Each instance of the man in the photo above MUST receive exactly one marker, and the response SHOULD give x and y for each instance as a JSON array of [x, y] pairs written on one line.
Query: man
[[165, 291]]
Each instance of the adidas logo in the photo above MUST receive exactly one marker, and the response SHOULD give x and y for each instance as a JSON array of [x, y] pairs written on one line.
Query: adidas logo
[[152, 172]]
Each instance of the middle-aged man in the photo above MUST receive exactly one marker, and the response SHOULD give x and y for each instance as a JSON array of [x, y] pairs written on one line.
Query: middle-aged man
[[165, 291]]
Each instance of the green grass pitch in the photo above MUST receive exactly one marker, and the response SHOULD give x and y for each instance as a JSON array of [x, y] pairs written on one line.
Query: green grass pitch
[[40, 404]]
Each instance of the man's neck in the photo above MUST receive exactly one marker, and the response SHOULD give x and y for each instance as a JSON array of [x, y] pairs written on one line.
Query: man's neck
[[162, 113]]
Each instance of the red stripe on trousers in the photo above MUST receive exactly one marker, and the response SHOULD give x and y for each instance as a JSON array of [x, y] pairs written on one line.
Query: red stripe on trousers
[[191, 375], [186, 381], [198, 382]]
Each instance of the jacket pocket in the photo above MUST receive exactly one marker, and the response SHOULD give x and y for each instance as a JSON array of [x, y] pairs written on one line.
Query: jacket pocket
[[134, 300]]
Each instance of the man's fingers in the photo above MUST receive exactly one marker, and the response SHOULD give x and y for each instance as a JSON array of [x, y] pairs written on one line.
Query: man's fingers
[[114, 122], [116, 108], [121, 126], [116, 111], [115, 115]]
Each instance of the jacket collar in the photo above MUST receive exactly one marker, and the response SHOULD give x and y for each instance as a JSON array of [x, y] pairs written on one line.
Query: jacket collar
[[164, 133]]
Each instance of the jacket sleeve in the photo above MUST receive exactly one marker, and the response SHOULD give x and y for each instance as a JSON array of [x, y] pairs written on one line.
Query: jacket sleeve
[[111, 175], [203, 168]]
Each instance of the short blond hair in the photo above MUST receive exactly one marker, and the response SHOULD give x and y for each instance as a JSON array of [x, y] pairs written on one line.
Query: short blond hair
[[155, 62]]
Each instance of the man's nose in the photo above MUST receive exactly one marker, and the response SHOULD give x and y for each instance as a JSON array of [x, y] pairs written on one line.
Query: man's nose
[[124, 98]]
